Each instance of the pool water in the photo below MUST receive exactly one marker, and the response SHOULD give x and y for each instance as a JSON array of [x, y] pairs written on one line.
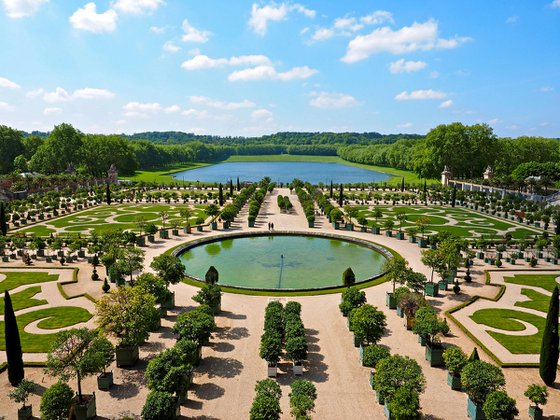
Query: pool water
[[283, 262]]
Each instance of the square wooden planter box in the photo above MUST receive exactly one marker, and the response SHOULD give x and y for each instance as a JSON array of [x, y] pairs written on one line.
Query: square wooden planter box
[[127, 356], [88, 410], [434, 355], [454, 382], [474, 411], [431, 289], [105, 381], [390, 300]]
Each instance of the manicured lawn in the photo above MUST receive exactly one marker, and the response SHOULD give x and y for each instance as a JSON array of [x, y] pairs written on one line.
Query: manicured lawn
[[162, 175], [507, 319], [546, 281], [52, 318], [24, 299], [19, 278], [538, 301]]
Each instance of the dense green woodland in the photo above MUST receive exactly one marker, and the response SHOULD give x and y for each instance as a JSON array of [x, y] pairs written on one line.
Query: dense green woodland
[[466, 150]]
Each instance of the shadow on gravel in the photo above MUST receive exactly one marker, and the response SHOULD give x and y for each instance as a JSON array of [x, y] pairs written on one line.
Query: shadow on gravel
[[221, 367], [207, 391], [222, 347], [235, 333], [231, 315]]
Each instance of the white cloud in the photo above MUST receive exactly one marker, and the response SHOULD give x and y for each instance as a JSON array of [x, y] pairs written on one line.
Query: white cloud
[[92, 93], [418, 36], [195, 113], [170, 47], [87, 19], [262, 115], [405, 125], [4, 106], [512, 20], [555, 4], [214, 103], [547, 89], [142, 107], [269, 72], [446, 104], [494, 121], [347, 25], [194, 35], [434, 74], [35, 93], [137, 7], [419, 95], [402, 66], [322, 34], [260, 16], [52, 111], [59, 95], [8, 84], [16, 9], [201, 61], [158, 29], [172, 109], [332, 100]]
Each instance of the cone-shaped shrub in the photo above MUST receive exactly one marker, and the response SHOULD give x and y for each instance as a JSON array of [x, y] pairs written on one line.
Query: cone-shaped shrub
[[549, 346], [13, 343]]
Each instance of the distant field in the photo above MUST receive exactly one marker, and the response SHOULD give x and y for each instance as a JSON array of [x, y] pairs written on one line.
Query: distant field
[[164, 175]]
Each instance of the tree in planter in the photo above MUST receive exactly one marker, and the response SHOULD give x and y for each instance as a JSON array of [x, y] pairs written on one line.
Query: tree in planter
[[374, 354], [348, 277], [106, 286], [56, 402], [131, 260], [395, 372], [266, 405], [14, 354], [480, 379], [537, 394], [212, 276], [405, 403], [500, 406], [151, 228], [271, 347], [432, 258], [429, 326], [351, 298], [302, 398], [368, 324], [169, 268], [78, 353], [153, 285], [268, 387], [167, 372], [20, 395], [212, 210], [396, 270], [549, 345], [416, 281], [128, 313], [389, 225], [188, 351], [159, 406], [211, 295], [196, 325], [296, 348], [186, 214], [400, 215], [455, 360], [3, 223]]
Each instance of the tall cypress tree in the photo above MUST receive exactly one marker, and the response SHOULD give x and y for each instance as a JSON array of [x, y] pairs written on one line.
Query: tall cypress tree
[[221, 195], [549, 345], [453, 195], [108, 194], [3, 224], [238, 185], [402, 185], [331, 191], [340, 196], [425, 192], [13, 343]]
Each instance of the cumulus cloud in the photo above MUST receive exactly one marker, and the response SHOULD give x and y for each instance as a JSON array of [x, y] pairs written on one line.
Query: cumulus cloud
[[405, 125], [158, 29], [348, 25], [446, 104], [172, 109], [16, 9], [262, 115], [87, 19], [8, 84], [418, 36], [195, 113], [137, 7], [141, 109], [92, 93], [52, 111], [201, 61], [191, 34], [403, 66], [218, 104], [260, 16], [61, 95], [555, 4], [270, 73], [332, 100], [170, 47], [419, 95]]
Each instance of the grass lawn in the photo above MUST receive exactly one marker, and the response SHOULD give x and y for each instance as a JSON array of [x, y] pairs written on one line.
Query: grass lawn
[[546, 281], [162, 175], [52, 318], [507, 319], [24, 299], [18, 278], [538, 301]]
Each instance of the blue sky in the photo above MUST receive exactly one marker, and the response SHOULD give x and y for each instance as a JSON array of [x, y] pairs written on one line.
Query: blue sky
[[251, 68]]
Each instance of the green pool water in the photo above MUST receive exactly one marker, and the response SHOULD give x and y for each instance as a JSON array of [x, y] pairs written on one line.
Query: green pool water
[[283, 262]]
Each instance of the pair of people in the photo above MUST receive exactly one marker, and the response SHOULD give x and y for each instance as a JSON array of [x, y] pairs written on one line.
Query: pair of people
[[271, 226]]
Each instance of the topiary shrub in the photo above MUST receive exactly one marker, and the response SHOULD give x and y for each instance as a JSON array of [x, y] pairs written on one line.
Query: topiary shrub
[[368, 324], [480, 379], [348, 277], [56, 402], [351, 298], [405, 404], [159, 406], [500, 406], [374, 354]]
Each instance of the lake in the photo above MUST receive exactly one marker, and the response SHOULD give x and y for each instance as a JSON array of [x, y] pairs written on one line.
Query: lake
[[313, 172]]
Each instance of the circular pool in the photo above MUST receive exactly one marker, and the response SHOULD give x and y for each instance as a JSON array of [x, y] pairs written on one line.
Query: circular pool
[[283, 261]]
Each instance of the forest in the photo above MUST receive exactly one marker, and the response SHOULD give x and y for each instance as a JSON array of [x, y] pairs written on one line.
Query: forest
[[466, 150]]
